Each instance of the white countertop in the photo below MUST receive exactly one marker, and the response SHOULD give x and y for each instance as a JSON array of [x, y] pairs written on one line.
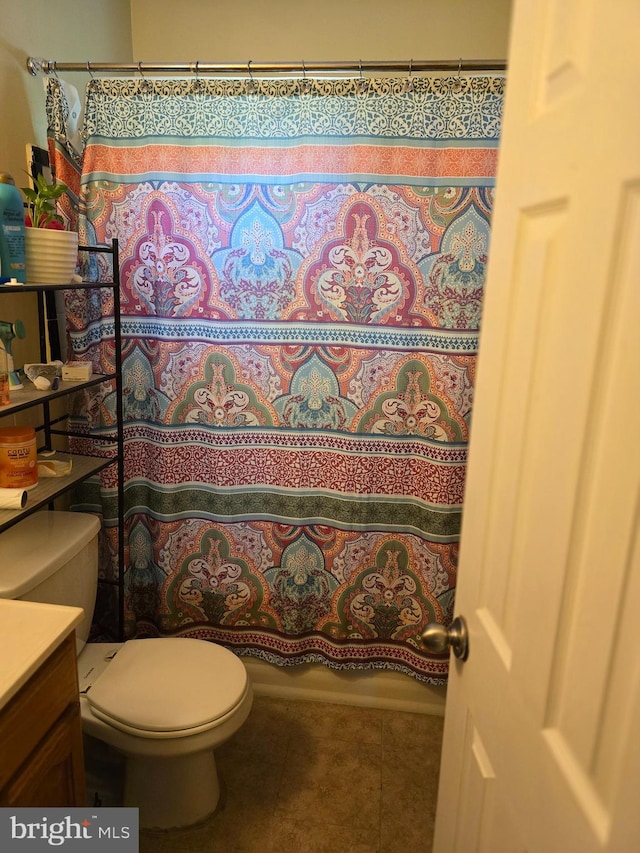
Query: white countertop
[[29, 632]]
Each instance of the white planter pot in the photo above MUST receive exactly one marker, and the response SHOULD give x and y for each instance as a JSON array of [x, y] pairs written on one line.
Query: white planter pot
[[50, 256]]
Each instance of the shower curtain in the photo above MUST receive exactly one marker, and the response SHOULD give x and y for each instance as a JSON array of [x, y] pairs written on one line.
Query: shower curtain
[[302, 266]]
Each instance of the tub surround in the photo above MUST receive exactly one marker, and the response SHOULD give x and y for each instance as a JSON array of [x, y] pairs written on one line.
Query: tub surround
[[391, 691]]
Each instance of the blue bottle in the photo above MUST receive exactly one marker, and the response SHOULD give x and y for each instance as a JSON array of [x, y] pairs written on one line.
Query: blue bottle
[[11, 230]]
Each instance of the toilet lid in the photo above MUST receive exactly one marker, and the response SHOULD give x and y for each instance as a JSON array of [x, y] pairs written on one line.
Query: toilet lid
[[168, 685]]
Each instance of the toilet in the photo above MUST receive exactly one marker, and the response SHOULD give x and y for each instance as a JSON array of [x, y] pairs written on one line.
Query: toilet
[[164, 703]]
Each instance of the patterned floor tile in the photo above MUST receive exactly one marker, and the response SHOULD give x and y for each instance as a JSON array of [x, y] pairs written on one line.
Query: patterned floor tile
[[289, 836], [340, 722], [320, 760], [307, 777], [399, 727], [405, 837], [224, 833], [265, 735], [331, 782]]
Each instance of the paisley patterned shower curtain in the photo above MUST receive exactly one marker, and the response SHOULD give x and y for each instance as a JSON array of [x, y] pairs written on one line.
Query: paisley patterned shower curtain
[[302, 268]]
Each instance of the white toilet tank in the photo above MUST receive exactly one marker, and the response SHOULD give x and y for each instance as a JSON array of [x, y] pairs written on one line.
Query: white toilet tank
[[52, 557]]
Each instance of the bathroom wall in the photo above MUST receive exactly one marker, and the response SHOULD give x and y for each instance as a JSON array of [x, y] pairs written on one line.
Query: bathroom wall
[[292, 30], [52, 30]]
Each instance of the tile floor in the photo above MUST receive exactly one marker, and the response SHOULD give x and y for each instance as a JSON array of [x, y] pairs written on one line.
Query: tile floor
[[308, 777]]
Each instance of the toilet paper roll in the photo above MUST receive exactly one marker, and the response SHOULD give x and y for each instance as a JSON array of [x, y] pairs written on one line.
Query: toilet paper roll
[[12, 498]]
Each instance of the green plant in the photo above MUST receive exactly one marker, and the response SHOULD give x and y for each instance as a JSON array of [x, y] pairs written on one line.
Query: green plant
[[41, 199]]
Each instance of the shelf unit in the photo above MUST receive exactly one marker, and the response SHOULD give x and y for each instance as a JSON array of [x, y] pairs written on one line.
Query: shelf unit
[[83, 466]]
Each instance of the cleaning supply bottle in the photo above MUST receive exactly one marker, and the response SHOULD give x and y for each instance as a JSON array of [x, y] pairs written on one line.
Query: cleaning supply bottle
[[11, 230], [4, 376]]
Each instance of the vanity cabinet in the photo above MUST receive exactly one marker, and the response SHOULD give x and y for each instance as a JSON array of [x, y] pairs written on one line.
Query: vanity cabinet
[[106, 448], [41, 736]]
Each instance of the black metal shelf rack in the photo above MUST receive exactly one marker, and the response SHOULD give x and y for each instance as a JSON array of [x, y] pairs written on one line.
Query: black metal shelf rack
[[84, 466]]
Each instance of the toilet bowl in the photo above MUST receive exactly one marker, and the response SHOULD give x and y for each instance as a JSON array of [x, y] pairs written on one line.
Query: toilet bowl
[[164, 703]]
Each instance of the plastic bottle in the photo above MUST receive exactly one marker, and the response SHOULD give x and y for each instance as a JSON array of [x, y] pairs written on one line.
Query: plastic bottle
[[11, 230], [4, 376], [18, 458]]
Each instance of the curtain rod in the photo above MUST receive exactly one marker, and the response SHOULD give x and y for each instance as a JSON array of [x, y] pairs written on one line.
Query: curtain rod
[[37, 66]]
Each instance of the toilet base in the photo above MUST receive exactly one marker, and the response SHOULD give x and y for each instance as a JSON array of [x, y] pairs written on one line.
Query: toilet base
[[172, 792]]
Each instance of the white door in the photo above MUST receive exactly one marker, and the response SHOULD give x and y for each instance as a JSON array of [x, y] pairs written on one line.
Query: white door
[[542, 733]]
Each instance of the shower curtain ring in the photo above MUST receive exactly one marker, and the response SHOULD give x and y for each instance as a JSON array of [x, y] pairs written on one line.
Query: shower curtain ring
[[89, 70], [305, 85], [198, 83], [457, 83], [361, 81], [145, 85], [251, 87], [408, 83]]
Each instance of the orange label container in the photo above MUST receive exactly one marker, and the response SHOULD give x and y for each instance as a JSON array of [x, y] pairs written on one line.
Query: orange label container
[[18, 457]]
